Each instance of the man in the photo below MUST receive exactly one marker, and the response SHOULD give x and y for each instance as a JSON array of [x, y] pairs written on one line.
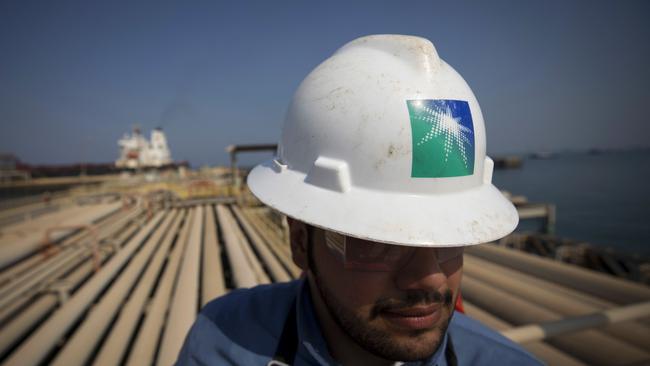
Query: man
[[382, 172]]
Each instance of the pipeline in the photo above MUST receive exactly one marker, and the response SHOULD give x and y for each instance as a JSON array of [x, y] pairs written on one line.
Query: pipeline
[[278, 272], [551, 296], [213, 284], [79, 347], [15, 249], [37, 346], [275, 242], [606, 287], [242, 274], [184, 303], [536, 332], [592, 346], [112, 351], [545, 352], [145, 347]]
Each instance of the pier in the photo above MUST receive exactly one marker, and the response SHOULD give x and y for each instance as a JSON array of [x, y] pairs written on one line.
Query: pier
[[117, 273]]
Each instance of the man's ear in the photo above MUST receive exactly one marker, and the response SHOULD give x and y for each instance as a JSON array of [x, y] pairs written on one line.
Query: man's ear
[[298, 236]]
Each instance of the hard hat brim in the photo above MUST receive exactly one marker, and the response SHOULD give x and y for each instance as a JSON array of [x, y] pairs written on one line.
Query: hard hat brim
[[473, 216]]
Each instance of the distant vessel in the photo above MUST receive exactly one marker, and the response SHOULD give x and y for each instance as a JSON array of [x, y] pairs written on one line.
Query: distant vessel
[[543, 155], [137, 152]]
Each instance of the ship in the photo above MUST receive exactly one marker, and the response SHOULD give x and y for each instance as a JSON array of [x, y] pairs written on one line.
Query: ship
[[138, 152]]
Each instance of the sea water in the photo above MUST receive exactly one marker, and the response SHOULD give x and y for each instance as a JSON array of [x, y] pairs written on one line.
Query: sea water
[[602, 198]]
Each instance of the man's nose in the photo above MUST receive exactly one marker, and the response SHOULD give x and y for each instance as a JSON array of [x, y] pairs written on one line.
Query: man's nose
[[422, 272]]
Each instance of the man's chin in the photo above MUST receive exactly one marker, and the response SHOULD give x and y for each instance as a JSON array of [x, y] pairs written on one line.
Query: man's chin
[[387, 339], [411, 345]]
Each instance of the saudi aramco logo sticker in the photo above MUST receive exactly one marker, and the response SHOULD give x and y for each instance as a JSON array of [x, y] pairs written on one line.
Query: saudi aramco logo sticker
[[443, 138]]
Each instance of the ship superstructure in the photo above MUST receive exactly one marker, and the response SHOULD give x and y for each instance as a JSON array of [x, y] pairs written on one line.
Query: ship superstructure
[[138, 152]]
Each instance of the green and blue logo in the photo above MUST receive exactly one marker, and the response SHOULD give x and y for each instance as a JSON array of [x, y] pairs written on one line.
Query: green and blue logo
[[443, 138]]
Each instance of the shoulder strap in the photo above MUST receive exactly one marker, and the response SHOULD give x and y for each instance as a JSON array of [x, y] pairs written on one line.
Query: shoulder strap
[[450, 353], [285, 353]]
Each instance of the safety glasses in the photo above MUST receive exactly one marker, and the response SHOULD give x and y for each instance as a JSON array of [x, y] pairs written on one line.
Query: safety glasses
[[364, 255]]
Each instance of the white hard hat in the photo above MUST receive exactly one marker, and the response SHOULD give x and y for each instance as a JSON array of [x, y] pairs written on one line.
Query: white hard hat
[[384, 141]]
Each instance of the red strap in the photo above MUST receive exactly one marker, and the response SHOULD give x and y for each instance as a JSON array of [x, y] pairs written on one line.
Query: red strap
[[459, 303]]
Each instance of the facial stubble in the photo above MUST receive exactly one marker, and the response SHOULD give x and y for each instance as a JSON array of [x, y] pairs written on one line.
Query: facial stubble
[[377, 340]]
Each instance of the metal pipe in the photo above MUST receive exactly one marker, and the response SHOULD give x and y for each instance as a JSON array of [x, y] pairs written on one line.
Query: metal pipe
[[17, 211], [242, 275], [13, 248], [22, 287], [548, 354], [264, 219], [591, 346], [40, 282], [185, 302], [51, 216], [48, 243], [234, 149], [598, 284], [281, 243], [277, 271], [148, 336], [124, 235], [253, 262], [44, 275], [11, 310], [275, 242], [550, 296], [20, 325], [233, 170], [213, 284], [43, 340], [536, 332], [11, 273], [112, 351], [82, 343], [573, 294], [69, 257]]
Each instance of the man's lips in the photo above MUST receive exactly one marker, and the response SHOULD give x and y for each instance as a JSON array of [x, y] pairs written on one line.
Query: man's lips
[[415, 311], [414, 318]]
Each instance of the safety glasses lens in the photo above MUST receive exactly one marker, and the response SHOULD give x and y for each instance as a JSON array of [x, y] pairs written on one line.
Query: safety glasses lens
[[359, 254], [372, 256]]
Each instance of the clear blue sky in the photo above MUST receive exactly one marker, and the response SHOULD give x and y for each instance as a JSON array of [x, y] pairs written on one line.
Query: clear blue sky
[[74, 76]]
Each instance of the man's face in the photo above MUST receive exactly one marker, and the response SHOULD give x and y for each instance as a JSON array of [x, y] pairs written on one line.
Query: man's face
[[400, 315]]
